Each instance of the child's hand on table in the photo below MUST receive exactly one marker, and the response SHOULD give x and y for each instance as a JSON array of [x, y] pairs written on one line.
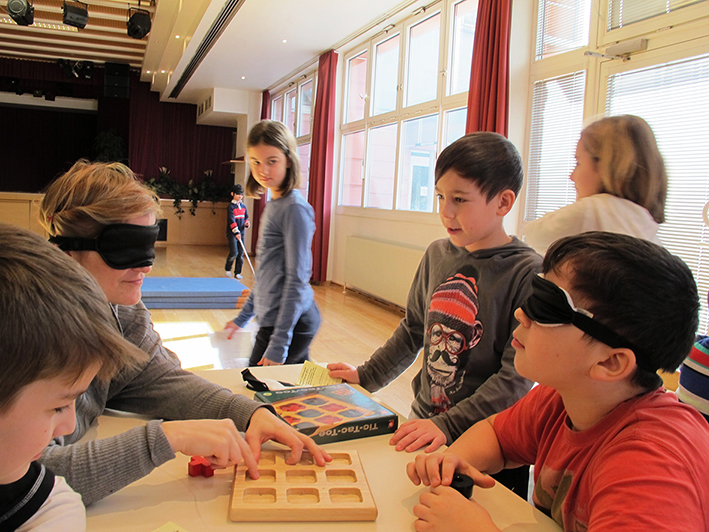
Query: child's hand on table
[[344, 371], [438, 468], [414, 434], [442, 509]]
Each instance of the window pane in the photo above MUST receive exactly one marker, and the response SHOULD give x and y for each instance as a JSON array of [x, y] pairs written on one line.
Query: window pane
[[305, 105], [418, 160], [382, 167], [562, 25], [356, 87], [681, 125], [422, 66], [386, 74], [624, 12], [277, 109], [289, 119], [352, 169], [454, 125], [304, 155], [464, 19], [557, 119]]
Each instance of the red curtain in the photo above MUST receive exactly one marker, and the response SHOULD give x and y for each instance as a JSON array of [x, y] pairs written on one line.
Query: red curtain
[[259, 204], [321, 160], [488, 99]]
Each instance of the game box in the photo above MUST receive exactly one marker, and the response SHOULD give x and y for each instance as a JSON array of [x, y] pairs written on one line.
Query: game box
[[335, 412]]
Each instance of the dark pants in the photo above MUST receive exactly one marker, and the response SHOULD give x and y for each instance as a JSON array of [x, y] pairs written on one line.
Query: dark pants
[[516, 480], [236, 253], [303, 333]]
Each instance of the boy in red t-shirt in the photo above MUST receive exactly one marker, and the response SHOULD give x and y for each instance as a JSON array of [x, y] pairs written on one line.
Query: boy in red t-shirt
[[612, 449]]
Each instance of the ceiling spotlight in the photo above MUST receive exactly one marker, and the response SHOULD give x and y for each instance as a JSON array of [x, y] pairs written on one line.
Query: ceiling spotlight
[[138, 23], [76, 15], [21, 12]]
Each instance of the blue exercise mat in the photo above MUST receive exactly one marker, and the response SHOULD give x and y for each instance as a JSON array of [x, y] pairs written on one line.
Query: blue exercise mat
[[192, 292]]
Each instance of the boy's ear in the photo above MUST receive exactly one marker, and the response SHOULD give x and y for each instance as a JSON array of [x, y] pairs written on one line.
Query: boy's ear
[[617, 364], [505, 201]]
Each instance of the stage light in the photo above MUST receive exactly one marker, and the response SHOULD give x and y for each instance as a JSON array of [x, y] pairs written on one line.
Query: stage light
[[21, 12], [76, 15], [138, 23]]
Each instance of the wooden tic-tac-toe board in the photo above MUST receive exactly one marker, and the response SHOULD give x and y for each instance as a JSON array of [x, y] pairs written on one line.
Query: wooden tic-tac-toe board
[[303, 492]]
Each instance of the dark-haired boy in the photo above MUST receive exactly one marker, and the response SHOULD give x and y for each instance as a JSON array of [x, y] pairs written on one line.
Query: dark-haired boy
[[461, 303], [612, 449], [56, 334], [237, 220]]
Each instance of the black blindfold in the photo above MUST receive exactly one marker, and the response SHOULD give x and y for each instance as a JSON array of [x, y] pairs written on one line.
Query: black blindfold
[[550, 306], [121, 246]]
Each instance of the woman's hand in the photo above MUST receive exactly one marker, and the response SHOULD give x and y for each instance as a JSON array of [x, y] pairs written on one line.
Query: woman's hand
[[264, 426], [215, 439]]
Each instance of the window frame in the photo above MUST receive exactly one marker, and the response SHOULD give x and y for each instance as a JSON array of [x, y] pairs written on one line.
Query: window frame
[[440, 105]]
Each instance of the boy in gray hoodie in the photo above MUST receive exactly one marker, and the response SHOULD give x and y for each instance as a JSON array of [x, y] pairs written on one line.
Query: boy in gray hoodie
[[461, 303]]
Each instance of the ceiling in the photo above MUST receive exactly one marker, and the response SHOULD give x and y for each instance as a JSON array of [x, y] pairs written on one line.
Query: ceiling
[[264, 43]]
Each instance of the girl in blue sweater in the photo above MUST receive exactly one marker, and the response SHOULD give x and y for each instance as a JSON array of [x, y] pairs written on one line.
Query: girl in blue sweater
[[282, 299]]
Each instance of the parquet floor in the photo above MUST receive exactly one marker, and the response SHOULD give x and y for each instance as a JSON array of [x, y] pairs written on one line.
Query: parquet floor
[[352, 327]]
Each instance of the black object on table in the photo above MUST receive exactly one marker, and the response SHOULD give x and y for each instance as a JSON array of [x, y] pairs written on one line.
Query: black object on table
[[463, 484]]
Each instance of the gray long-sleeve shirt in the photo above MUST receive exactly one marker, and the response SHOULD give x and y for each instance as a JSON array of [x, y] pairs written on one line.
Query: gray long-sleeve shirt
[[159, 389], [460, 312], [282, 292]]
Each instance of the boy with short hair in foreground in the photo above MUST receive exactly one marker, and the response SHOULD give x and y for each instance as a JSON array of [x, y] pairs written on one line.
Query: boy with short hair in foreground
[[56, 334], [612, 450]]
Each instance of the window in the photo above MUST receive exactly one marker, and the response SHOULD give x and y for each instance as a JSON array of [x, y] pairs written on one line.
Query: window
[[277, 109], [557, 116], [404, 99], [461, 56], [418, 160], [294, 107], [352, 169], [356, 88], [304, 156], [422, 77], [455, 125], [382, 166], [386, 71], [624, 12], [289, 116], [305, 108], [562, 25]]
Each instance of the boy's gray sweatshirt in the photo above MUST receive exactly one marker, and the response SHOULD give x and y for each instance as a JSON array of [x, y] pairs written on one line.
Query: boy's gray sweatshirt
[[460, 312]]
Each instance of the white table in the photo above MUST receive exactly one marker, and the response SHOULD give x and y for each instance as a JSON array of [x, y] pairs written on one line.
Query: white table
[[200, 504]]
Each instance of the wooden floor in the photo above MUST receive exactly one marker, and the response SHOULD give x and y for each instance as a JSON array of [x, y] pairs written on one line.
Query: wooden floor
[[352, 327]]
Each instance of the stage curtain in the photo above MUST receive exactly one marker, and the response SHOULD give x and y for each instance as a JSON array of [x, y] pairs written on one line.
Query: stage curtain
[[488, 98], [259, 204], [321, 160]]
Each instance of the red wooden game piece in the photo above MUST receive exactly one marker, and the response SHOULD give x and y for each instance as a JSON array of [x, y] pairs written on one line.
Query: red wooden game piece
[[199, 465]]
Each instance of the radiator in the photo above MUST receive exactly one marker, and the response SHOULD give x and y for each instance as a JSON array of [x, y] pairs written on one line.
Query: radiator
[[381, 268]]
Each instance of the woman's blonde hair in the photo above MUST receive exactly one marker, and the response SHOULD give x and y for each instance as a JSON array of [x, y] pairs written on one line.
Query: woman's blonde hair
[[630, 163], [91, 196], [276, 134]]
